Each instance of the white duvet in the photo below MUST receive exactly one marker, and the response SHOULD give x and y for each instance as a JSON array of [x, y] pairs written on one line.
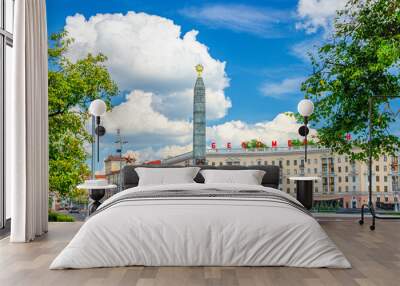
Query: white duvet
[[200, 231]]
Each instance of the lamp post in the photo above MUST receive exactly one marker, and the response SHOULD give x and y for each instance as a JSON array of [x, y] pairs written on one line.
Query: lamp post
[[97, 108], [304, 185], [305, 108]]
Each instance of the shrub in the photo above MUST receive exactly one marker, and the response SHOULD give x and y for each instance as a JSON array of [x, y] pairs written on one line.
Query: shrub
[[59, 217]]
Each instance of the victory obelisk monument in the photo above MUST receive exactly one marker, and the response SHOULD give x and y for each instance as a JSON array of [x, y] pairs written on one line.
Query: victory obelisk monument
[[199, 120]]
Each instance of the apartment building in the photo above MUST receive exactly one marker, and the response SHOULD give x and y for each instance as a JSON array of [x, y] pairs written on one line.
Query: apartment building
[[340, 178]]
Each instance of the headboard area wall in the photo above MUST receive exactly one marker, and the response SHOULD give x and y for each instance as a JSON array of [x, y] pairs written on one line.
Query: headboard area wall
[[130, 178]]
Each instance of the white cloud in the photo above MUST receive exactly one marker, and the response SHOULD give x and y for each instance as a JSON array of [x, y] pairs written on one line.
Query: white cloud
[[266, 23], [315, 14], [150, 153], [282, 128], [136, 116], [149, 53], [282, 89], [304, 49]]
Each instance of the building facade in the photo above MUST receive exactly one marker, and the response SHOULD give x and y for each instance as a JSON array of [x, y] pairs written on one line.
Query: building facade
[[341, 179]]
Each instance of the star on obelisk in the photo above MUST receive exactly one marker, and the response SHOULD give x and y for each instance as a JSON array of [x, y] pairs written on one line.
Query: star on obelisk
[[199, 69]]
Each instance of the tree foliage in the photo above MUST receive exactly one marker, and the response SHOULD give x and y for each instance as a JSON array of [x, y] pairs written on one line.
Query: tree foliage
[[72, 86], [359, 62]]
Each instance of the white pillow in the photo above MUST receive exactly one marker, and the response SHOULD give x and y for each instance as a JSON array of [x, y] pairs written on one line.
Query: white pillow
[[166, 176], [248, 177]]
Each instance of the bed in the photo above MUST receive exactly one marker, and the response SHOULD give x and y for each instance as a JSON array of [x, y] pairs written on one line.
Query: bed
[[197, 224]]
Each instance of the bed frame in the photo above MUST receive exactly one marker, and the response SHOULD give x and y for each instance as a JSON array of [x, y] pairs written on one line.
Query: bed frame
[[130, 178]]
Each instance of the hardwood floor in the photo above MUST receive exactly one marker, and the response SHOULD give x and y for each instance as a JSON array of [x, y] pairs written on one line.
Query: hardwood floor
[[375, 257]]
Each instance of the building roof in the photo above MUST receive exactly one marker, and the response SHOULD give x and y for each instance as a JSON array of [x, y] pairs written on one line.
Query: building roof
[[114, 158], [247, 152]]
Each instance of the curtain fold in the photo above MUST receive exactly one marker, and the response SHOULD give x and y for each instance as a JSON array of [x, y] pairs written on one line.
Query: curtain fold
[[27, 123]]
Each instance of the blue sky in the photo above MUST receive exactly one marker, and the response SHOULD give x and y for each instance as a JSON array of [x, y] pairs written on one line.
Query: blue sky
[[252, 59], [263, 45]]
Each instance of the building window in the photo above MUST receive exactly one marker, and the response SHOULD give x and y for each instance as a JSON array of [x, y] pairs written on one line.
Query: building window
[[213, 163], [377, 168], [295, 162], [385, 179], [378, 189], [273, 163], [386, 199], [377, 178], [346, 179], [340, 189], [295, 171], [316, 189], [287, 181], [346, 169], [265, 163], [385, 168], [340, 179], [315, 161], [220, 163], [259, 163], [280, 164], [315, 170], [385, 188], [354, 188], [287, 162], [339, 169], [347, 188], [288, 190], [346, 159], [354, 179]]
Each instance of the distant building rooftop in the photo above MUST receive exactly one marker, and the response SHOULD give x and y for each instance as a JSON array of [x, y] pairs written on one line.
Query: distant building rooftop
[[114, 158], [246, 152]]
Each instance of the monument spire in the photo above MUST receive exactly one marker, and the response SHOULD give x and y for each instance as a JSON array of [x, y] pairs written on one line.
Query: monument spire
[[199, 119]]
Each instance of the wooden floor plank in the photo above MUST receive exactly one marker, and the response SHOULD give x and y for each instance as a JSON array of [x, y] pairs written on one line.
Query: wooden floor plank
[[375, 257]]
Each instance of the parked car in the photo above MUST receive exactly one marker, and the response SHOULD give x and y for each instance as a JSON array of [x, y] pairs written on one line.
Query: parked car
[[73, 210]]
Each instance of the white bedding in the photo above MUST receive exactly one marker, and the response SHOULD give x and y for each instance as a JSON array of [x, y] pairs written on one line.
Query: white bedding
[[200, 231]]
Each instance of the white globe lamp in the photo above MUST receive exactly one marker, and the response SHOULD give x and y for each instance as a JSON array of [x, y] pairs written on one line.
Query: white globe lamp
[[305, 107], [97, 107]]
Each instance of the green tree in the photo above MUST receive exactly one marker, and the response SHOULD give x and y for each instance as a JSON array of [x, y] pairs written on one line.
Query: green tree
[[72, 86], [360, 61]]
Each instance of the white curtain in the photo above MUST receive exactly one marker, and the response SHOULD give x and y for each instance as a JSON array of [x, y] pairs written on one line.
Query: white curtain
[[27, 124]]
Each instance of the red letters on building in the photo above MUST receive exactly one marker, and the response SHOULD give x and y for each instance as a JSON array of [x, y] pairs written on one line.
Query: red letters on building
[[289, 143], [348, 136], [229, 145], [213, 145], [274, 143]]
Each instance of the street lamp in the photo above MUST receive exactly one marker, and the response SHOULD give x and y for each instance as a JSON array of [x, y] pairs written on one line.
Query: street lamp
[[305, 108], [97, 108]]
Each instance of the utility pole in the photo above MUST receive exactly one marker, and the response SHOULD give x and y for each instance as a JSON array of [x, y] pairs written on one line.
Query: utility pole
[[120, 143]]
